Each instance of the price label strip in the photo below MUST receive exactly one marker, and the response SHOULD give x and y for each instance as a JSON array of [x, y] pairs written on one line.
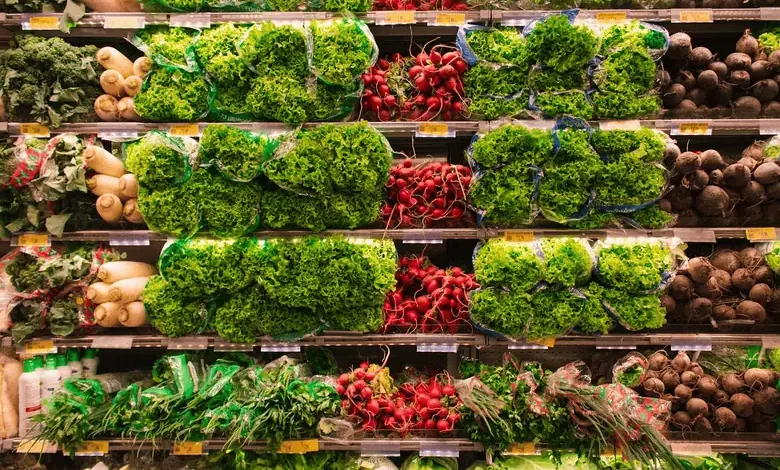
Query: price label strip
[[692, 128], [522, 346], [380, 448], [611, 17], [522, 448], [113, 342], [692, 344], [188, 448], [384, 18], [691, 448], [277, 348], [141, 238], [44, 23], [518, 236], [36, 446], [434, 129], [39, 347], [437, 348], [303, 446], [198, 20], [186, 343], [624, 125], [448, 19], [439, 449], [185, 130], [761, 234], [124, 22], [31, 240], [33, 129], [93, 449], [692, 16]]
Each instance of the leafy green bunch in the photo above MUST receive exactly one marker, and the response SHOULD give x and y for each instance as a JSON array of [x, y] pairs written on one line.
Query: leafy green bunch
[[558, 44], [636, 266], [555, 312], [158, 160], [594, 319], [502, 45], [510, 144], [217, 53], [773, 258], [635, 312], [49, 81], [564, 103], [613, 144], [227, 208], [629, 35], [174, 210], [489, 108], [651, 217], [630, 181], [169, 94], [514, 266], [170, 311], [506, 195], [568, 261], [269, 48], [342, 50], [237, 154], [506, 312], [172, 47]]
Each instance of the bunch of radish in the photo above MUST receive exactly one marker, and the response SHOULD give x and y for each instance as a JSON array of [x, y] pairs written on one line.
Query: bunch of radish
[[437, 85], [433, 403], [379, 99], [422, 5], [427, 298], [365, 395], [425, 195]]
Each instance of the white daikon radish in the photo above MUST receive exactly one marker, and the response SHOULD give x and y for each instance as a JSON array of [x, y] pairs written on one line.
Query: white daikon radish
[[128, 185], [117, 270], [132, 314], [127, 290], [142, 66], [103, 161], [107, 108], [126, 109], [113, 83], [112, 59], [131, 212], [109, 207], [98, 292], [107, 314], [104, 184], [132, 86]]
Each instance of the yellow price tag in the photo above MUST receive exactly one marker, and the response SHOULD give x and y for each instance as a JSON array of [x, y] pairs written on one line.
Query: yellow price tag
[[521, 448], [299, 447], [33, 129], [611, 452], [33, 239], [188, 448], [123, 22], [43, 23], [549, 342], [36, 446], [433, 128], [93, 448], [694, 128], [611, 17], [40, 346], [518, 236], [759, 234], [366, 464], [395, 17], [188, 130], [694, 16], [450, 19]]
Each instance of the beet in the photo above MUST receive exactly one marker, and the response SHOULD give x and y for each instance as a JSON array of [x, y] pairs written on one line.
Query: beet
[[699, 309], [722, 94], [723, 312], [733, 383], [726, 259], [689, 378], [754, 151], [763, 274], [751, 257], [767, 400], [760, 69], [741, 425], [748, 162], [740, 79], [707, 386], [747, 107], [707, 80], [712, 160], [719, 68], [665, 205], [673, 95], [720, 280], [688, 218], [700, 57], [681, 287], [721, 398], [751, 310], [716, 178], [770, 109], [686, 79], [753, 193], [738, 61], [743, 279], [747, 44], [741, 405], [682, 420], [696, 180], [697, 95], [668, 302], [756, 378], [736, 175], [767, 172], [700, 269], [679, 46], [751, 213], [725, 419], [773, 191], [680, 198], [681, 362], [697, 407], [712, 201], [686, 108], [653, 387], [760, 293], [683, 392]]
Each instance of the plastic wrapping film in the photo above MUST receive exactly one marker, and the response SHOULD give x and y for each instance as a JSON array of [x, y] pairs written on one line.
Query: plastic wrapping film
[[498, 263], [664, 254], [157, 157], [771, 252], [630, 370], [221, 143], [153, 41]]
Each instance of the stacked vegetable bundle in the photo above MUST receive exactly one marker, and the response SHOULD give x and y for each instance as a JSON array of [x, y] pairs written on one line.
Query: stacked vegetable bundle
[[746, 400], [44, 185], [730, 285], [529, 290], [281, 288], [552, 62], [46, 289], [117, 190], [716, 191], [117, 293], [743, 85], [572, 175], [263, 72], [121, 81], [355, 6]]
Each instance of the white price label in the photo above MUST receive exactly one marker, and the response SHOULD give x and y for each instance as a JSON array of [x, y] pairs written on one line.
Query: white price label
[[113, 342], [698, 344], [380, 449], [139, 238], [437, 348], [188, 343], [284, 348]]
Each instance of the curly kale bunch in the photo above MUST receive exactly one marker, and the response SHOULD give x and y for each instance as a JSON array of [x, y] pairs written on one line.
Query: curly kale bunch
[[49, 81], [514, 266], [285, 209], [504, 312], [237, 154], [173, 95], [329, 159], [488, 108], [279, 96], [510, 144], [170, 312], [343, 49], [158, 160], [506, 195]]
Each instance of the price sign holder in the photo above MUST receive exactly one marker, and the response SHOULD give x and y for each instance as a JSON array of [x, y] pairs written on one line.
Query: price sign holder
[[439, 449], [699, 15], [379, 448], [185, 130], [691, 128], [617, 347], [519, 236], [130, 238], [522, 448], [38, 347], [303, 446], [434, 129], [691, 448], [624, 125], [32, 240], [113, 342], [188, 448], [93, 449], [124, 22], [281, 347], [692, 344], [523, 346], [188, 343], [448, 19], [761, 234], [437, 241], [220, 345], [196, 20], [36, 446], [437, 348], [42, 23], [611, 17], [383, 18]]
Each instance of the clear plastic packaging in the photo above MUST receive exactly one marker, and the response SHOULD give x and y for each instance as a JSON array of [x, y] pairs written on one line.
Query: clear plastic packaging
[[342, 49], [637, 265]]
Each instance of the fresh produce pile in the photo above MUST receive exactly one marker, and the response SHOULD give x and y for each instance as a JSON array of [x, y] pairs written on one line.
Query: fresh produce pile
[[714, 191], [428, 299], [355, 6], [263, 72], [743, 85], [422, 5], [746, 400], [47, 290], [547, 71], [44, 186], [425, 87], [121, 81], [422, 404], [285, 288], [544, 289], [572, 175], [426, 195], [117, 294], [327, 177], [729, 285], [514, 402], [49, 81]]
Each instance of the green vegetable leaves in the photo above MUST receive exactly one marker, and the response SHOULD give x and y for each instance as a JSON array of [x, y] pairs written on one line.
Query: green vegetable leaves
[[343, 49]]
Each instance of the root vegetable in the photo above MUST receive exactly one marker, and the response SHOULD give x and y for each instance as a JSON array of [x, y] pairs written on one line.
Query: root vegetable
[[736, 175], [712, 160], [733, 383], [131, 213], [114, 271], [751, 311], [756, 378], [679, 46], [713, 201], [700, 57], [687, 162], [697, 407], [668, 303], [683, 392], [743, 279], [765, 90], [764, 275], [724, 312], [104, 184], [761, 293], [142, 66], [686, 79], [747, 107], [696, 369], [670, 378], [719, 68], [751, 257], [653, 387], [128, 186], [102, 161], [747, 44], [748, 162], [681, 362], [132, 86], [112, 59], [697, 95], [127, 290], [767, 401], [107, 108], [707, 386], [109, 207], [97, 293], [680, 198], [113, 83], [107, 314], [753, 193], [702, 424], [741, 405], [126, 108], [741, 425], [740, 79], [707, 80], [725, 418], [699, 309], [770, 109], [767, 172], [727, 260], [721, 398], [657, 361], [689, 378], [738, 61], [760, 69], [696, 180], [773, 191], [671, 152], [754, 151], [700, 269], [673, 95], [132, 315], [716, 177], [681, 287], [686, 108], [682, 419]]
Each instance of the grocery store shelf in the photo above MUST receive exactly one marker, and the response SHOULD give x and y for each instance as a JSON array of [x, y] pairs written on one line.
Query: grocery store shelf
[[675, 127], [768, 336]]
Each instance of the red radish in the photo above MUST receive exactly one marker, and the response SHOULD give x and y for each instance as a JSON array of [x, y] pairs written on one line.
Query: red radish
[[443, 425]]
